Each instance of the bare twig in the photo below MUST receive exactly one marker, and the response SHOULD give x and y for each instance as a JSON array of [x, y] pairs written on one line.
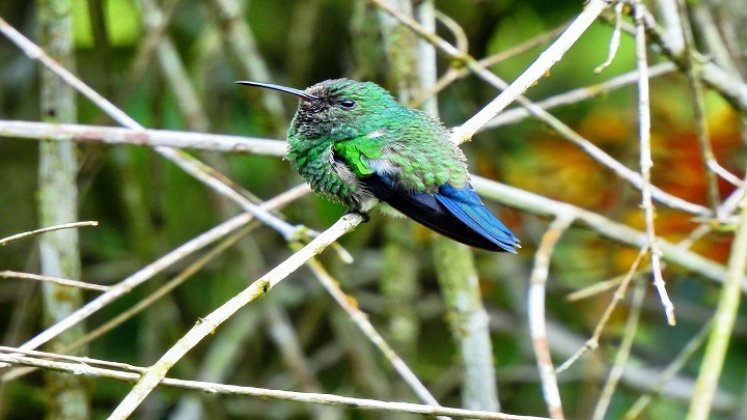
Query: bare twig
[[618, 232], [577, 95], [603, 286], [566, 132], [593, 342], [142, 137], [727, 176], [205, 326], [534, 72], [7, 274], [615, 39], [622, 353], [667, 374], [144, 303], [536, 313], [188, 163], [726, 311], [729, 86], [84, 367], [364, 325], [644, 132], [138, 278], [4, 241], [696, 88]]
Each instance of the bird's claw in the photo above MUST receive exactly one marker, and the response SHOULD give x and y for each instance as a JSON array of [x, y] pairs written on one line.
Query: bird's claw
[[364, 215]]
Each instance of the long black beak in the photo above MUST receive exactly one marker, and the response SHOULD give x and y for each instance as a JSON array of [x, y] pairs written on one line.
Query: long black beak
[[292, 91]]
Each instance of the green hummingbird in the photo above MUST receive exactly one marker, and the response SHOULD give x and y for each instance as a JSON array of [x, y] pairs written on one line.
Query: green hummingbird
[[355, 144]]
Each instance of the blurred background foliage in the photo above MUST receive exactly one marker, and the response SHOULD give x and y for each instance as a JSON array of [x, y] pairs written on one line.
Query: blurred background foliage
[[147, 206]]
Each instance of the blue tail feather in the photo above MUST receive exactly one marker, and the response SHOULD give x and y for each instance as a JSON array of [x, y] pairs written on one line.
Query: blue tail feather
[[464, 204], [456, 213]]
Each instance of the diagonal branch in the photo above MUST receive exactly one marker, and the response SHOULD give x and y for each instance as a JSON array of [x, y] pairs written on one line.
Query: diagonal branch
[[205, 326], [188, 163], [142, 137], [152, 269], [8, 239], [128, 373], [534, 72], [538, 204], [566, 132], [644, 133], [361, 321], [536, 313]]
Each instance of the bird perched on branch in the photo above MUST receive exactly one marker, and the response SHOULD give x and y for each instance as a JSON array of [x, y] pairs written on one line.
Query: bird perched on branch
[[354, 143]]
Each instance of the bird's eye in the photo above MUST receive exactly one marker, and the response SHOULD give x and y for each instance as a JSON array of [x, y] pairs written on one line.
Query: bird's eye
[[347, 103]]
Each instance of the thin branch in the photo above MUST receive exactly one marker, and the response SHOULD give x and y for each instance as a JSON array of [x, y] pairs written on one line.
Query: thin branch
[[83, 366], [699, 112], [614, 40], [726, 312], [538, 204], [456, 73], [144, 303], [142, 137], [727, 176], [8, 274], [142, 275], [622, 353], [361, 321], [679, 361], [644, 133], [730, 87], [4, 241], [155, 374], [189, 164], [534, 72], [147, 272], [536, 313], [566, 132], [593, 342], [577, 95], [460, 37], [603, 286]]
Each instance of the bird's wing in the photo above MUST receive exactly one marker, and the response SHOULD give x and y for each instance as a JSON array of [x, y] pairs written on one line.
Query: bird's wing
[[358, 153], [456, 213], [465, 205]]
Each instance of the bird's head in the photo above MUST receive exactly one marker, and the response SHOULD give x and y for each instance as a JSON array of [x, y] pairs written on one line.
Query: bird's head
[[339, 109]]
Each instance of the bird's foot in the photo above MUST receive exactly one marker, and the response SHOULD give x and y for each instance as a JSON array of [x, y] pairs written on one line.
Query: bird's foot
[[363, 214]]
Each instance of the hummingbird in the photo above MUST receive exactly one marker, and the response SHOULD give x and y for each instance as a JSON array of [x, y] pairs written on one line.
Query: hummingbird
[[355, 144]]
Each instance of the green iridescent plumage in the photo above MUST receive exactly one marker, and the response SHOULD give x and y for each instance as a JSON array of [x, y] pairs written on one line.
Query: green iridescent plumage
[[354, 143], [376, 133]]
